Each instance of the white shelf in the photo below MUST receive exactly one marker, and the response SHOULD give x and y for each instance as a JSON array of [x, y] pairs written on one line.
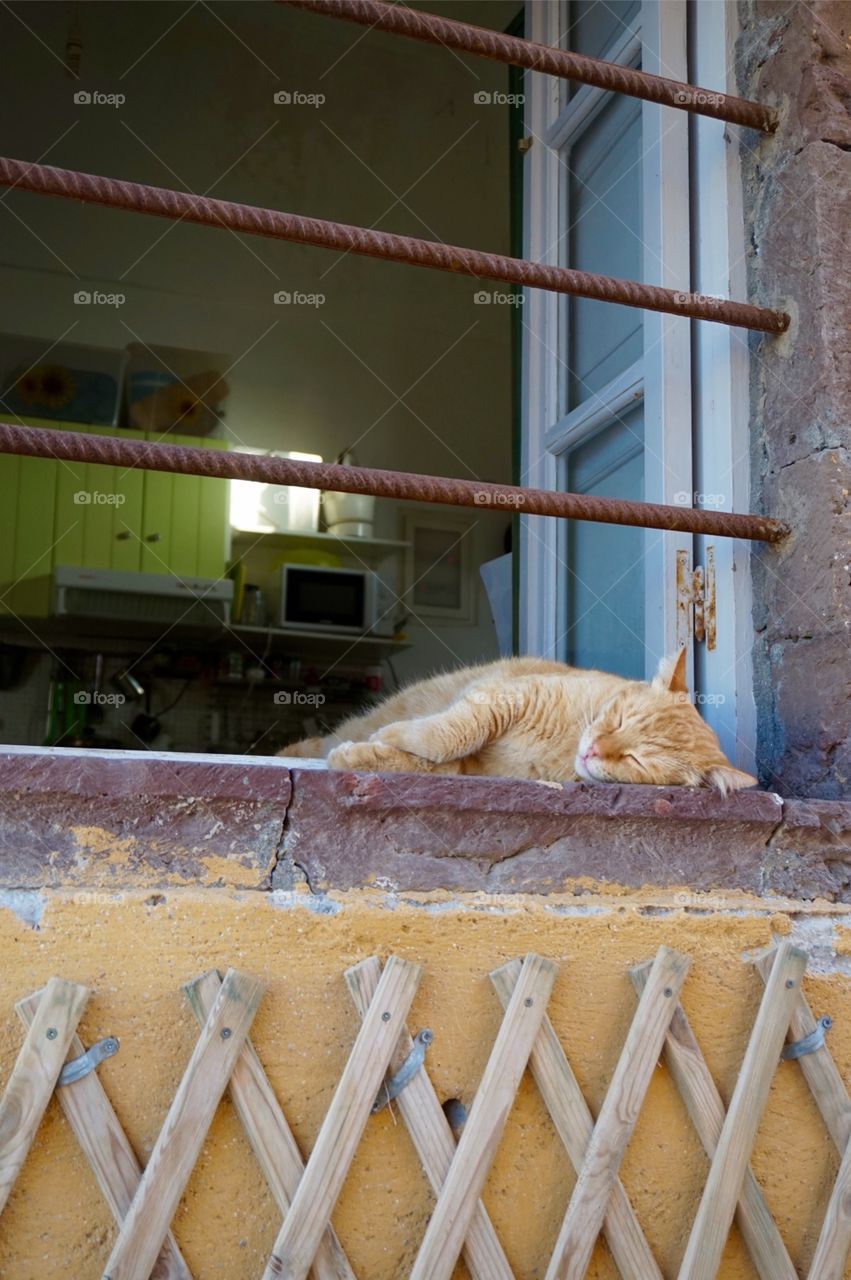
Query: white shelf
[[284, 539], [311, 641]]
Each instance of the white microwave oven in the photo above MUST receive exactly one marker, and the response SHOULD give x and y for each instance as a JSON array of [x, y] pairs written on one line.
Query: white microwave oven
[[318, 598]]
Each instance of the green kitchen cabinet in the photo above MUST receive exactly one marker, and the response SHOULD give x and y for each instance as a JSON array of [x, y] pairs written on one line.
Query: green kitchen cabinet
[[10, 468], [98, 510], [96, 516], [155, 527], [27, 490], [127, 517], [214, 523], [185, 519]]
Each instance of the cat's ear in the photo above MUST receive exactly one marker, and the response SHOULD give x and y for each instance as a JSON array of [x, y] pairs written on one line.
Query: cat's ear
[[728, 779], [672, 674]]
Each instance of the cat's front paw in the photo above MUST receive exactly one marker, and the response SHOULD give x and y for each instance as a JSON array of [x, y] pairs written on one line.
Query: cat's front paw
[[371, 757], [402, 735]]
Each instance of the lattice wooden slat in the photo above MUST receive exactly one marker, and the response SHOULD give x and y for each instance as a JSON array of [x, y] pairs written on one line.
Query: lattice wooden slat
[[727, 1170], [618, 1115], [835, 1236], [343, 1126], [267, 1130], [831, 1098], [182, 1135], [34, 1075], [574, 1124], [703, 1103], [818, 1068], [105, 1145], [431, 1134], [456, 1204]]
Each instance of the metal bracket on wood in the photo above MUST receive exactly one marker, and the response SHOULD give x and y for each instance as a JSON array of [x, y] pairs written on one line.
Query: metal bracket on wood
[[87, 1061], [409, 1068], [810, 1043]]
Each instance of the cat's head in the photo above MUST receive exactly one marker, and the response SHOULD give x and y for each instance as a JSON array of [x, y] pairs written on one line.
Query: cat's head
[[652, 733]]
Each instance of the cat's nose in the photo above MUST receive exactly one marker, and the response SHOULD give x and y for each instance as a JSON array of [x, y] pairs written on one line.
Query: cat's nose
[[592, 750]]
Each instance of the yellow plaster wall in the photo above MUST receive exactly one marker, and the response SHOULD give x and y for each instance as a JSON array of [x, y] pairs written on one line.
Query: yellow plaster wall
[[135, 949]]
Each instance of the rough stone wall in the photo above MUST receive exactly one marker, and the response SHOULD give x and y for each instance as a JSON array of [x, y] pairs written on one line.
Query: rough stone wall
[[797, 56]]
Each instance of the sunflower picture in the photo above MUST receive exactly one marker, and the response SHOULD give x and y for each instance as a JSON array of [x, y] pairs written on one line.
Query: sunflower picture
[[51, 385], [66, 388], [28, 386], [57, 386], [182, 406], [189, 405]]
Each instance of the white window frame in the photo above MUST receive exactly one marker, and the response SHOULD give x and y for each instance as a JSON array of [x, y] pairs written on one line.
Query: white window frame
[[722, 386], [692, 230]]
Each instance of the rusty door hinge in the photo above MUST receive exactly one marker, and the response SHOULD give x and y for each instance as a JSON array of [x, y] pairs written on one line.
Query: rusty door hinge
[[696, 600]]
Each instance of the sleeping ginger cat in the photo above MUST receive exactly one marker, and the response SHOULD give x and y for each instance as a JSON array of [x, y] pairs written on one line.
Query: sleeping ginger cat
[[530, 718]]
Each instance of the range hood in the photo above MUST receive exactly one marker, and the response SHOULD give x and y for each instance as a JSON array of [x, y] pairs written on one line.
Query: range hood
[[124, 596]]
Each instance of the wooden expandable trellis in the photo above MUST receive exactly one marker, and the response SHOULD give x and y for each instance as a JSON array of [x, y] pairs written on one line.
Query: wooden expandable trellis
[[143, 1203]]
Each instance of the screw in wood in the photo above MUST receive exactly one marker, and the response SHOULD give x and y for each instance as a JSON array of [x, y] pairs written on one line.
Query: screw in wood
[[528, 1002], [52, 1033], [226, 1033], [669, 991], [790, 982], [385, 1017]]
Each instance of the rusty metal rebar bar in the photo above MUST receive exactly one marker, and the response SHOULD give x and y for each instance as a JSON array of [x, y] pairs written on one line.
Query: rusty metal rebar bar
[[187, 207], [74, 446], [404, 21]]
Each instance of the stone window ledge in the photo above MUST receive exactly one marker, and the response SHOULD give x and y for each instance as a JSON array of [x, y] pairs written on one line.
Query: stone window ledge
[[113, 819]]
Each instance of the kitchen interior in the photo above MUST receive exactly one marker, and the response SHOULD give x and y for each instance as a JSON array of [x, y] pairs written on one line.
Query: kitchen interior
[[150, 611]]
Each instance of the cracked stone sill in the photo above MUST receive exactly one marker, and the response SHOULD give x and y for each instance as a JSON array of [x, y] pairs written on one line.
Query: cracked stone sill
[[263, 823]]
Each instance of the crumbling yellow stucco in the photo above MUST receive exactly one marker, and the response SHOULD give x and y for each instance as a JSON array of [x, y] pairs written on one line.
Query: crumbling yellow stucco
[[102, 858], [136, 948]]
